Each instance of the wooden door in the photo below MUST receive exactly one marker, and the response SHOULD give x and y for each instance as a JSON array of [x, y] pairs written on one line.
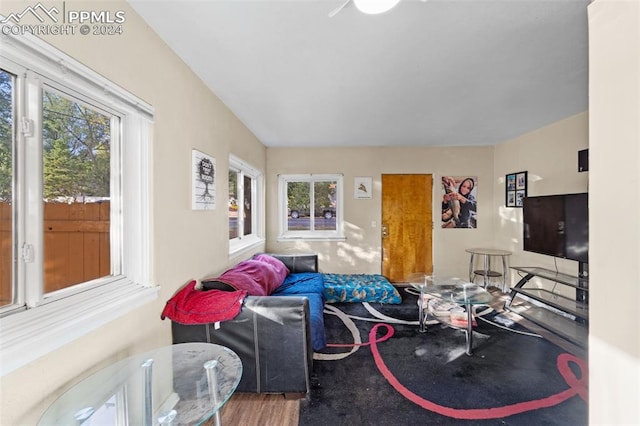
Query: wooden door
[[407, 225]]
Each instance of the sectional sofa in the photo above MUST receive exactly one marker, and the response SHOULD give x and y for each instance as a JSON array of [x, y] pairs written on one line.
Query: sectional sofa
[[268, 310]]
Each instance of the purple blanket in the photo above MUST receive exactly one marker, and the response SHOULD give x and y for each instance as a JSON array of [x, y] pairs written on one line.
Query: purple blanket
[[259, 276]]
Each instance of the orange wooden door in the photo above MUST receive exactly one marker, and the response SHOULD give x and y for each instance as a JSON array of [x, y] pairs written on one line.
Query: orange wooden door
[[407, 225]]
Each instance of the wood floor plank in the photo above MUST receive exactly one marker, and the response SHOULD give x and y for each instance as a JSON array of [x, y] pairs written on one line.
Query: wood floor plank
[[247, 409]]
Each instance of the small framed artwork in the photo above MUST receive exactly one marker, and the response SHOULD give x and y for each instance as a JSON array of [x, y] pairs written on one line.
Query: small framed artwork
[[515, 189], [362, 189], [203, 181]]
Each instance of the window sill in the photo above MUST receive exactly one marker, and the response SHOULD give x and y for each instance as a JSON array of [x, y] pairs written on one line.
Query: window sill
[[33, 333], [284, 238], [239, 246]]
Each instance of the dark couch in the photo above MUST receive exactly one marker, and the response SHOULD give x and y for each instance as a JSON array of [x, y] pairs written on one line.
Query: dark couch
[[272, 334]]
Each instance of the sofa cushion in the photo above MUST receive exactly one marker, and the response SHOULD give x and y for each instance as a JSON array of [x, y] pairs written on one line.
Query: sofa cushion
[[298, 262], [191, 306]]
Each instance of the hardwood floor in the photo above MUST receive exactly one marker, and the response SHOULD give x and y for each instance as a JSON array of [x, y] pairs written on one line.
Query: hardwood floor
[[245, 409]]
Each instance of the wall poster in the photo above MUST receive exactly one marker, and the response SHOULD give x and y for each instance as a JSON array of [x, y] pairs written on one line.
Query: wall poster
[[459, 201], [204, 181]]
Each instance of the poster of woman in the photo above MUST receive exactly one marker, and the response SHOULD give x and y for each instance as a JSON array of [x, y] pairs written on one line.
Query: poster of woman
[[459, 201]]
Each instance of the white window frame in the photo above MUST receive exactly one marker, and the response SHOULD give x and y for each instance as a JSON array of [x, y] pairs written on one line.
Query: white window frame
[[334, 235], [256, 238], [38, 325]]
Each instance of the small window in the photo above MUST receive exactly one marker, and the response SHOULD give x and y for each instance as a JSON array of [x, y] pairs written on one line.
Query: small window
[[245, 206], [311, 206]]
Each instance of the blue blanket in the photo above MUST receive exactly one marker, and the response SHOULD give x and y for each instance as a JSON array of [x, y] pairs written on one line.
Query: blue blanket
[[301, 283], [310, 285]]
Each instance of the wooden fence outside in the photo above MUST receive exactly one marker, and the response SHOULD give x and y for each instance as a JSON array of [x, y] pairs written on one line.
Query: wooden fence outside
[[76, 245], [6, 255]]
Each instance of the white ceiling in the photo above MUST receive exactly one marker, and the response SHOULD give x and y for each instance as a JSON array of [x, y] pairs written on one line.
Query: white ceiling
[[440, 72]]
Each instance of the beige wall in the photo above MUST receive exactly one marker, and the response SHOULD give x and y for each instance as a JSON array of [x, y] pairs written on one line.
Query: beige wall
[[614, 94], [550, 156], [361, 252], [191, 244], [186, 244], [498, 226]]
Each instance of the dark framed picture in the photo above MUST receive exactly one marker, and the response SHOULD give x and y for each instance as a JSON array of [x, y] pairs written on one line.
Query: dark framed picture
[[515, 189]]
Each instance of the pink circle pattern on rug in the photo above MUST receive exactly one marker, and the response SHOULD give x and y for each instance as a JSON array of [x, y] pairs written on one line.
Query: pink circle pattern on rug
[[577, 385]]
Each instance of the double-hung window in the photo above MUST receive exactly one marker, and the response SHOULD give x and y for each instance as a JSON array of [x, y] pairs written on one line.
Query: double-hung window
[[310, 206], [74, 200], [245, 206]]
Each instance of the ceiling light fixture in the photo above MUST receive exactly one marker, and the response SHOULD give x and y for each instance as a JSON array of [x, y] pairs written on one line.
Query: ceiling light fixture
[[374, 7]]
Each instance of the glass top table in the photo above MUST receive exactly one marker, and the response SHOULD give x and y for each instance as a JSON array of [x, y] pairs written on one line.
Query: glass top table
[[487, 272], [186, 383], [454, 290]]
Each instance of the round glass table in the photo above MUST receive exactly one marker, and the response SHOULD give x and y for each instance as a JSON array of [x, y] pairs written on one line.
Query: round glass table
[[454, 290], [486, 271], [186, 383]]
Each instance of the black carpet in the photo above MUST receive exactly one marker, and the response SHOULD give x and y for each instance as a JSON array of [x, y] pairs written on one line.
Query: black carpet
[[427, 379]]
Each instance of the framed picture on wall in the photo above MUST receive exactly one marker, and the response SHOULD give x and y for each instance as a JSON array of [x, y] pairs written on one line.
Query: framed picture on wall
[[515, 189], [459, 202], [362, 188], [203, 178]]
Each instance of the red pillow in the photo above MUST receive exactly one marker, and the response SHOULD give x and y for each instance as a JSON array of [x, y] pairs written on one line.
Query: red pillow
[[191, 306]]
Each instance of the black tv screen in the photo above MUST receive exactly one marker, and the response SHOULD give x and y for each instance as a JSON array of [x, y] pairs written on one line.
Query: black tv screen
[[576, 217], [557, 225]]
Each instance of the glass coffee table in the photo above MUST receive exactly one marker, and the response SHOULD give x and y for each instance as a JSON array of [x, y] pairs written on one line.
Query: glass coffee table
[[186, 383], [454, 291]]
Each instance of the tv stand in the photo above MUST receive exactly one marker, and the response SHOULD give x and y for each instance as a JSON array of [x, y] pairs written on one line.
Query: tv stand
[[568, 318]]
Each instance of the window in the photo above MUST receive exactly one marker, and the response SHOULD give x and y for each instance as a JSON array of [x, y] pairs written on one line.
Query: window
[[74, 201], [76, 176], [310, 206], [245, 206], [7, 291]]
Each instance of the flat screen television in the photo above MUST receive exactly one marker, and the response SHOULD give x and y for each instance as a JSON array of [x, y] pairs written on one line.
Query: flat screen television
[[557, 225]]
